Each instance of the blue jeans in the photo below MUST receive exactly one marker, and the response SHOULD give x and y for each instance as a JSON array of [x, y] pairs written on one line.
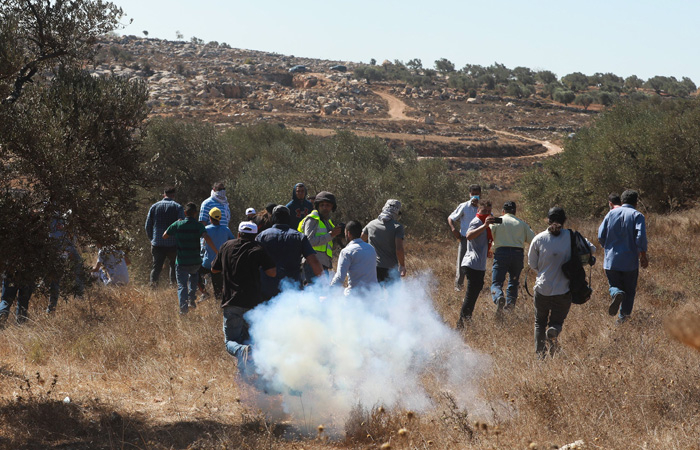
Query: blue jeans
[[506, 260], [235, 329], [187, 277], [9, 293], [623, 282]]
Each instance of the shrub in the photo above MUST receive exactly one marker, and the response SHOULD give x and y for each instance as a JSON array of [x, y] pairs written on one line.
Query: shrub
[[563, 96], [651, 145], [261, 164]]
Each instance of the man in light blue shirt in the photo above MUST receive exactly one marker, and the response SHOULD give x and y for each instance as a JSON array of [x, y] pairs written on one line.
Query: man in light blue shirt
[[623, 235], [464, 214], [358, 261], [219, 234]]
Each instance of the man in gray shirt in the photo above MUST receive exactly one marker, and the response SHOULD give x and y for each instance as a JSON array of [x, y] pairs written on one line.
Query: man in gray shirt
[[358, 261], [385, 234], [474, 262]]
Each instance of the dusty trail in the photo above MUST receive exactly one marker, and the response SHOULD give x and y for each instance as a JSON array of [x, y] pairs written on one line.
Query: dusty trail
[[397, 112]]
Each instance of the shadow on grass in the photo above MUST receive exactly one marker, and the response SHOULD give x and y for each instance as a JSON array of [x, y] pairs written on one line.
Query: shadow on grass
[[44, 423]]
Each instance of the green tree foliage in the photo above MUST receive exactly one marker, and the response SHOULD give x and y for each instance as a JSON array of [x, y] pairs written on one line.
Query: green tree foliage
[[474, 70], [608, 82], [584, 100], [69, 142], [444, 66], [563, 96], [671, 85], [261, 164], [546, 77], [632, 83], [652, 146], [519, 90], [524, 75], [369, 73], [550, 88], [415, 65], [607, 98], [462, 82], [575, 81], [501, 74]]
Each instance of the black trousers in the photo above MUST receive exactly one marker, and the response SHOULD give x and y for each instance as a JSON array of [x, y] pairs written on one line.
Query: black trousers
[[475, 283], [550, 311], [159, 254]]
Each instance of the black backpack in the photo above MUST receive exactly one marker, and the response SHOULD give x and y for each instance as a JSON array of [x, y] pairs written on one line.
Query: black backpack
[[573, 269]]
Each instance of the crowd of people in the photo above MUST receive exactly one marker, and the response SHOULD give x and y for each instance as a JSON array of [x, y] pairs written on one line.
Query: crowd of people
[[622, 234], [292, 246]]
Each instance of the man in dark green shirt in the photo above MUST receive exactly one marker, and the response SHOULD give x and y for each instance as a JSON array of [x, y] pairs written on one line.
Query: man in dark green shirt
[[187, 233]]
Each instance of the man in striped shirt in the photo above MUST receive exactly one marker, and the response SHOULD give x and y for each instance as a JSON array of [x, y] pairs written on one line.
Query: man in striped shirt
[[187, 233], [216, 200]]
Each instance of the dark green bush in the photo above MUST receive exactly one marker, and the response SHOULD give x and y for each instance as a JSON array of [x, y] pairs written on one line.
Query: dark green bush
[[261, 164], [650, 145]]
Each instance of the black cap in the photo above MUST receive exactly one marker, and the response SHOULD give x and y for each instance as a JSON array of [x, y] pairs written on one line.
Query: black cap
[[325, 196], [509, 207], [557, 215]]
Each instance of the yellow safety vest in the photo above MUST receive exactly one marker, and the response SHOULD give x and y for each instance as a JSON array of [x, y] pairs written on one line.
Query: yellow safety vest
[[322, 230]]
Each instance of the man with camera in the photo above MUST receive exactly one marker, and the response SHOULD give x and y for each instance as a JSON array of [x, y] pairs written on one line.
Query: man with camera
[[509, 237]]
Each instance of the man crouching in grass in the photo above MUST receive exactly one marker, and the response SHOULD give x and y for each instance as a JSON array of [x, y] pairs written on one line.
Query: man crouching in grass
[[240, 261]]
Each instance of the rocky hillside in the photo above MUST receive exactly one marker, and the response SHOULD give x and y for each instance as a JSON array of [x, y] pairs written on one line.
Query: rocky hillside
[[229, 87]]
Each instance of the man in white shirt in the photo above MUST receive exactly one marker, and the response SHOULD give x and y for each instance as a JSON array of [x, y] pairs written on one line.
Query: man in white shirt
[[358, 261], [464, 214]]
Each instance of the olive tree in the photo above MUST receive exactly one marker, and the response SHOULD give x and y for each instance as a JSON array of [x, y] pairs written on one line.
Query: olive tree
[[69, 142]]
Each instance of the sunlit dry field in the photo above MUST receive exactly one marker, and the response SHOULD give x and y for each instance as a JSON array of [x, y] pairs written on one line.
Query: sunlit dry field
[[120, 369]]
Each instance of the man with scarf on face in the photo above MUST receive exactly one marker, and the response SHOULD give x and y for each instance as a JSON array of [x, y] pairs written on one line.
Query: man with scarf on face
[[479, 241], [216, 200], [464, 214], [299, 207], [548, 251], [386, 235]]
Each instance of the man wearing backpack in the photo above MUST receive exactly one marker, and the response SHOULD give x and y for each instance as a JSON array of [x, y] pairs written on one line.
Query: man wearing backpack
[[548, 252], [623, 235]]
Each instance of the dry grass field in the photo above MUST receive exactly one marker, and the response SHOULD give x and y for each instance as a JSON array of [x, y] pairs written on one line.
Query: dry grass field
[[137, 376]]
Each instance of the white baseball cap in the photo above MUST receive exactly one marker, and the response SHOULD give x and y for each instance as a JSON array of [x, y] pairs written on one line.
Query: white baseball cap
[[247, 227], [250, 211]]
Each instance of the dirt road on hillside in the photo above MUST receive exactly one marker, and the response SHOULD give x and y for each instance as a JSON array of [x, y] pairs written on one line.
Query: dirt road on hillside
[[397, 107], [397, 112]]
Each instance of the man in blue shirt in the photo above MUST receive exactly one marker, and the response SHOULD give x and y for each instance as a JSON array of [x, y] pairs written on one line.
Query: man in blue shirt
[[299, 207], [357, 261], [286, 246], [161, 215], [623, 235]]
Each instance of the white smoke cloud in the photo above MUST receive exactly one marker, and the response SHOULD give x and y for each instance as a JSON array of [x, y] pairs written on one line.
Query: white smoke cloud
[[326, 353]]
